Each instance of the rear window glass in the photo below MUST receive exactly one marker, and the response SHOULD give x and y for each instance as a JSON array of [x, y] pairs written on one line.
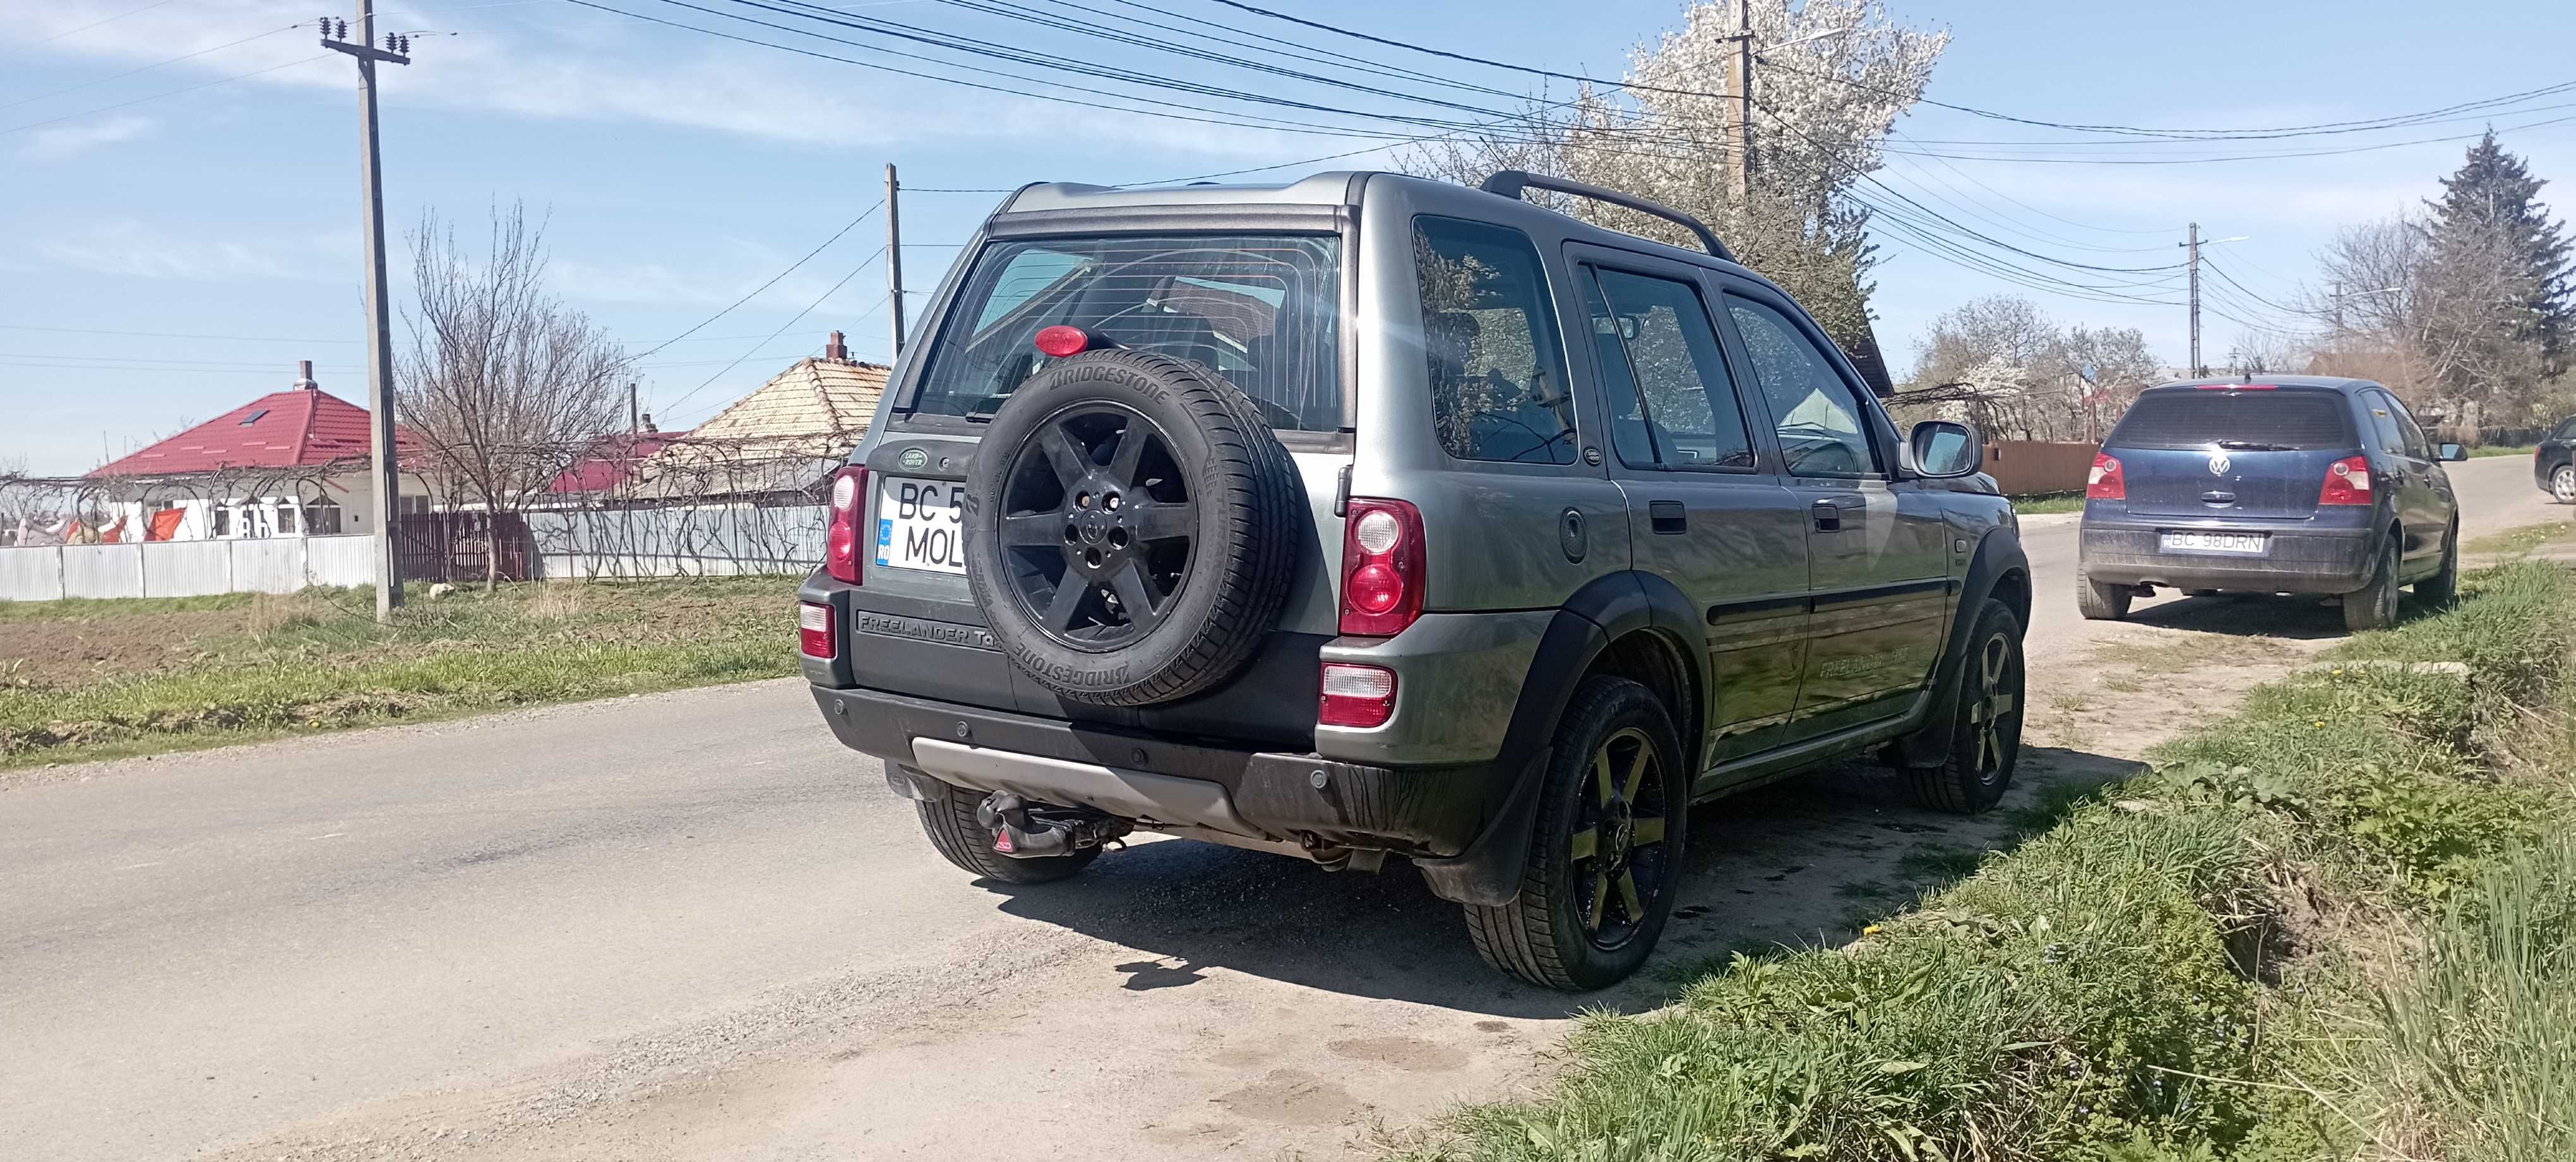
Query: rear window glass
[[2292, 420], [1263, 310]]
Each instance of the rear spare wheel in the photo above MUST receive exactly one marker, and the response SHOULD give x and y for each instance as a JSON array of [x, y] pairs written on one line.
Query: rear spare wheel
[[1130, 528]]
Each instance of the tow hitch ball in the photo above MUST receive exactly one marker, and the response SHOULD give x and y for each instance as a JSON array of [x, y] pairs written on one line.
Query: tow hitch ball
[[1024, 832]]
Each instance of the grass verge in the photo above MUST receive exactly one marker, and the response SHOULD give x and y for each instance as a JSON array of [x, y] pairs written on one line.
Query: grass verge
[[2041, 503], [2486, 451], [111, 679], [2191, 966]]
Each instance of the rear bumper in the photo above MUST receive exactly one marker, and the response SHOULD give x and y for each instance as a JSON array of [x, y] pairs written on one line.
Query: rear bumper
[[2306, 561], [1297, 799]]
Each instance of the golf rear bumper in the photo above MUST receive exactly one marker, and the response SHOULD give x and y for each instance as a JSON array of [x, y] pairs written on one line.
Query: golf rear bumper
[[2307, 561]]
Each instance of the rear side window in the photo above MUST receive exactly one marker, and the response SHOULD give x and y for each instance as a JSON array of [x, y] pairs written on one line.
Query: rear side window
[[1264, 310], [1496, 363], [2254, 420], [2383, 422], [1670, 397], [2566, 431]]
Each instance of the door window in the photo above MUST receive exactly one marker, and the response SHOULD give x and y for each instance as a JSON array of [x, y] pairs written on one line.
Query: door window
[[2416, 444], [1672, 401], [1820, 418], [1497, 365]]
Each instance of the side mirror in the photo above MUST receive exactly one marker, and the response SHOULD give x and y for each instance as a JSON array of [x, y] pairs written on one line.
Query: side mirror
[[1944, 450], [2454, 452]]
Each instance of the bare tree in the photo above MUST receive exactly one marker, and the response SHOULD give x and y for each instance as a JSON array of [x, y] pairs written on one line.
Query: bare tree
[[503, 383]]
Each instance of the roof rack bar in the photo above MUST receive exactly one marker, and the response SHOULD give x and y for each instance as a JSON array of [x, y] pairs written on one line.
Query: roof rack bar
[[1510, 182]]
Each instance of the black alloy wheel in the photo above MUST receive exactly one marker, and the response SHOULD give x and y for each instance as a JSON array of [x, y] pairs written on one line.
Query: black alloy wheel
[[1994, 710], [1985, 723], [1616, 854], [1097, 526]]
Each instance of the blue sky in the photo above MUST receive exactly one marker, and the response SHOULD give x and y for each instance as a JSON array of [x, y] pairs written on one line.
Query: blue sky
[[680, 171]]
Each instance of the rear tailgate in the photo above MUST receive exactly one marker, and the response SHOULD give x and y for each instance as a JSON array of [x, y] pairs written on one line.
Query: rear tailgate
[[2234, 453]]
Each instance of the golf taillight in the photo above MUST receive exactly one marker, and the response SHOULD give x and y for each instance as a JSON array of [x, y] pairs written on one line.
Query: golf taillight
[[814, 630], [1381, 567], [2105, 481], [2347, 482], [1356, 695], [841, 539]]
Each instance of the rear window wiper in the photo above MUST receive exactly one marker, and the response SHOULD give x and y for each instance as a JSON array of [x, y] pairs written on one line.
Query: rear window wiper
[[2252, 446]]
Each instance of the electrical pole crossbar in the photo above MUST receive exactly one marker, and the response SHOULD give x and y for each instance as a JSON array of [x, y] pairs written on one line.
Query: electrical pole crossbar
[[384, 507]]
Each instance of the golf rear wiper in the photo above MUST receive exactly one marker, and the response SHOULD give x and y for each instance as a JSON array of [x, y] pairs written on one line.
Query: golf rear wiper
[[2251, 446]]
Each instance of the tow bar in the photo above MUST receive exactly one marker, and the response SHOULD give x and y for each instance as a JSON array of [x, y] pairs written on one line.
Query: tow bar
[[1024, 832]]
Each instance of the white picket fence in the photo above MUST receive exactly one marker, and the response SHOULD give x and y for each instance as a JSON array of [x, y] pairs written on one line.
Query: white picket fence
[[185, 568]]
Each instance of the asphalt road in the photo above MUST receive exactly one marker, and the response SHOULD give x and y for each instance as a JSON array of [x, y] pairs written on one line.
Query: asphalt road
[[691, 926]]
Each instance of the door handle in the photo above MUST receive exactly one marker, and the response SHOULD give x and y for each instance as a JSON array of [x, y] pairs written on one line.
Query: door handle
[[1829, 516], [1668, 517]]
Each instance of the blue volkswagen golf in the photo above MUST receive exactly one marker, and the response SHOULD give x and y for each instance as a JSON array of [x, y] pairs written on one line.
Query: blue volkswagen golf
[[2297, 484]]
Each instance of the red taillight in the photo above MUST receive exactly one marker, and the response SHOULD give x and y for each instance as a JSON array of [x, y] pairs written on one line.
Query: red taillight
[[814, 630], [841, 542], [2347, 482], [1060, 341], [2105, 481], [1356, 695], [1381, 567]]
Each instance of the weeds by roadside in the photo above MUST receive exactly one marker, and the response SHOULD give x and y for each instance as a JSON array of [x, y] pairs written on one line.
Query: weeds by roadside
[[2179, 969], [2043, 503], [126, 678]]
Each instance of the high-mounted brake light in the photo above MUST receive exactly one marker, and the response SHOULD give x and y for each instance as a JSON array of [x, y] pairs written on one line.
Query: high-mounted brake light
[[2347, 482], [2105, 481], [814, 630], [1355, 695], [2238, 386], [841, 540], [1060, 341], [1381, 567]]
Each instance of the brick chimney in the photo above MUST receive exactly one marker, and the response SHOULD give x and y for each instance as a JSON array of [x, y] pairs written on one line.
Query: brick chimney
[[835, 350], [304, 376]]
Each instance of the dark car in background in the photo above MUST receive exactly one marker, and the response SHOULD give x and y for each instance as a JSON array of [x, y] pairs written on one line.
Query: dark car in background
[[2297, 484], [2553, 464]]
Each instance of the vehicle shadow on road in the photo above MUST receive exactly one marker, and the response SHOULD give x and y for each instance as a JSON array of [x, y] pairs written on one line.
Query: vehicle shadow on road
[[1804, 862], [2302, 618]]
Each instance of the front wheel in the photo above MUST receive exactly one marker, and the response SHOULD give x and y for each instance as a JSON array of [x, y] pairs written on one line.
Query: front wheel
[[1607, 849], [1985, 727], [2374, 606]]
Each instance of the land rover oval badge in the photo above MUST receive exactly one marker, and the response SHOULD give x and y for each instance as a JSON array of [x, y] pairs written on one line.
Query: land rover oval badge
[[2217, 465], [914, 460]]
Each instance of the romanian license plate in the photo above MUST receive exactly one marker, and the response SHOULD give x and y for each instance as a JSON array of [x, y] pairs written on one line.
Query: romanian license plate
[[919, 525], [2213, 542]]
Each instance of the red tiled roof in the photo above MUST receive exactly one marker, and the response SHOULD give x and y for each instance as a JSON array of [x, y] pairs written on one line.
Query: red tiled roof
[[611, 463], [283, 429]]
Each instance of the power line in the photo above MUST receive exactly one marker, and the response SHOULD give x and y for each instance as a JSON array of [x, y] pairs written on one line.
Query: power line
[[150, 67], [95, 23], [158, 96], [864, 215]]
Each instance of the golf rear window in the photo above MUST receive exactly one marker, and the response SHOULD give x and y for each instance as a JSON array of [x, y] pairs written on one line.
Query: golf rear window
[[2191, 418], [1264, 310]]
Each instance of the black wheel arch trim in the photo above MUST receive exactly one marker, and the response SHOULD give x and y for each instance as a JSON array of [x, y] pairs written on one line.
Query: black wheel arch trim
[[1998, 556], [1610, 607]]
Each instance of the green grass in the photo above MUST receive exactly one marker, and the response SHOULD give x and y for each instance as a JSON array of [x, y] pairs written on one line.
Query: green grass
[[2041, 503], [2146, 978], [317, 661], [2484, 451], [2514, 544]]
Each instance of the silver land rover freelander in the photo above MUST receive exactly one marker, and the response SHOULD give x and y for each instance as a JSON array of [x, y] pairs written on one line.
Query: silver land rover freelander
[[1370, 515]]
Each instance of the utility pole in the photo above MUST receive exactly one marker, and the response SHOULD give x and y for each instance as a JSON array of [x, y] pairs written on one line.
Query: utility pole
[[2334, 294], [894, 268], [634, 422], [1739, 83], [2194, 244], [383, 470]]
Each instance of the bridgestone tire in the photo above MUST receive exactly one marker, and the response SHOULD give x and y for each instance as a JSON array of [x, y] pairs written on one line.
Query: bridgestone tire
[[1250, 524], [950, 822], [1985, 723], [1540, 936], [2099, 602], [2374, 606]]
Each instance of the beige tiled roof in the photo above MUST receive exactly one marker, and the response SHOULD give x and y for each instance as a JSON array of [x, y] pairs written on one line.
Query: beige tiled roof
[[785, 436]]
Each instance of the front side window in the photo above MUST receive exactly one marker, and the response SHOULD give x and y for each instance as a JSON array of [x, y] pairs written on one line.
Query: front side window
[[1263, 310], [1496, 365], [2417, 445], [2383, 423], [1672, 401], [1820, 418]]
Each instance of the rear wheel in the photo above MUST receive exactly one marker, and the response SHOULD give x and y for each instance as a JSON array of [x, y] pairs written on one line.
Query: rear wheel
[[1985, 730], [2439, 588], [1607, 851], [949, 820], [2374, 606], [2100, 602], [2562, 484]]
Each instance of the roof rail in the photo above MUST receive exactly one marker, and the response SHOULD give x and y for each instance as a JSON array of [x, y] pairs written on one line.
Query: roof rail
[[1510, 182]]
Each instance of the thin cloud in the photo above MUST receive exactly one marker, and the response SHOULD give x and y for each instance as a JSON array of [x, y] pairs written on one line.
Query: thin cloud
[[57, 141]]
